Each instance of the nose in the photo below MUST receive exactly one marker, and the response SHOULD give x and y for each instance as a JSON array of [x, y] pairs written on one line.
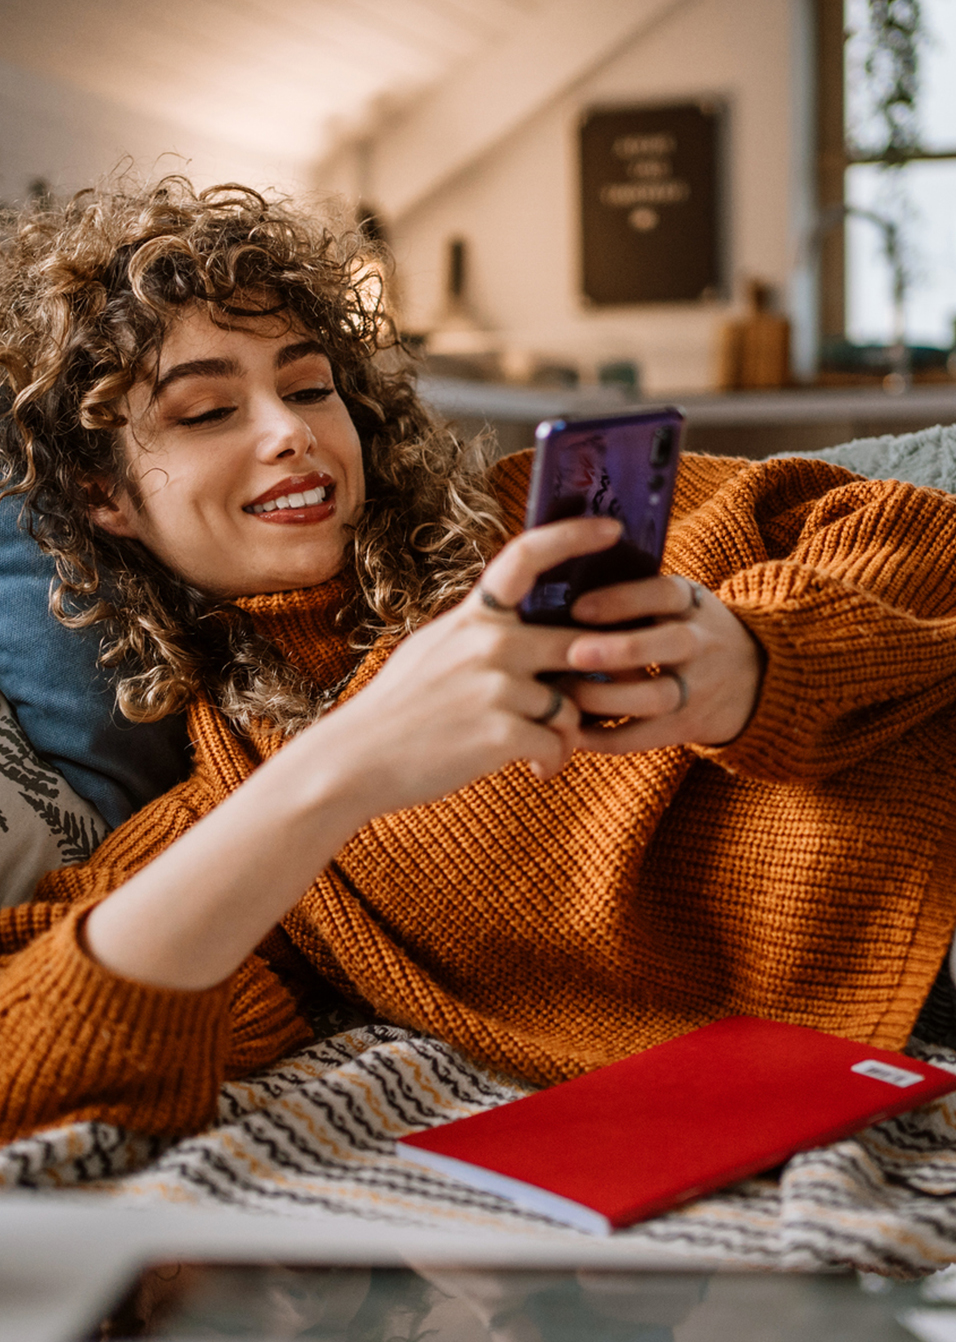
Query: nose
[[281, 434]]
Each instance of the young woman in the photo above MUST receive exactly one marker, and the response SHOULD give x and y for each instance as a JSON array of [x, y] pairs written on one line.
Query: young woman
[[201, 408]]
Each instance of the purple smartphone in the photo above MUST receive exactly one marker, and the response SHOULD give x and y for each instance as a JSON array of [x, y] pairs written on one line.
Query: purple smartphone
[[622, 466]]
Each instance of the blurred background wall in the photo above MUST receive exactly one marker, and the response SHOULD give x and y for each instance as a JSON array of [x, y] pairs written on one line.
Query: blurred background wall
[[454, 127], [55, 131], [462, 124], [516, 201]]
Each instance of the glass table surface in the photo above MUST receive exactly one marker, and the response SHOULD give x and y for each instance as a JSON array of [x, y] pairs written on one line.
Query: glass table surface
[[270, 1301]]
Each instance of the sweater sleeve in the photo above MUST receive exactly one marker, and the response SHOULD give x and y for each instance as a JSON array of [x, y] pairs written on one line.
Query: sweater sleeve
[[847, 585], [80, 1042]]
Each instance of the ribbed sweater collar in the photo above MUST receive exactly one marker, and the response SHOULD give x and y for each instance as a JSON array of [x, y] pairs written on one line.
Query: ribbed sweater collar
[[303, 625]]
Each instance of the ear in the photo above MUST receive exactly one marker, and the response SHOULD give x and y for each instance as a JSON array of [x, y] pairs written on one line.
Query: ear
[[113, 512]]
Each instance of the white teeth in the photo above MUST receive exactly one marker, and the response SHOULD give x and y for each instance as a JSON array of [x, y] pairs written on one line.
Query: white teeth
[[306, 500]]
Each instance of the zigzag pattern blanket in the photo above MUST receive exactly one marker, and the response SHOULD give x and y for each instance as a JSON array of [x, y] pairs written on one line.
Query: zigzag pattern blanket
[[316, 1135]]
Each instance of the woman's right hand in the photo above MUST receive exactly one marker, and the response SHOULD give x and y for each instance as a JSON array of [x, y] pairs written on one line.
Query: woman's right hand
[[457, 700], [461, 697]]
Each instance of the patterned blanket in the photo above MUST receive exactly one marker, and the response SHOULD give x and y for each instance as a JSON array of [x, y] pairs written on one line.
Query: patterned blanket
[[316, 1134]]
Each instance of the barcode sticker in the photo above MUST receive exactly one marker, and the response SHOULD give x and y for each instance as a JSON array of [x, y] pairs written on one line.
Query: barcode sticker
[[883, 1071]]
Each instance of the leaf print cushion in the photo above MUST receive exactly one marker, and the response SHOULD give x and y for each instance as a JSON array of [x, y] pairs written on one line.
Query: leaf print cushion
[[43, 823]]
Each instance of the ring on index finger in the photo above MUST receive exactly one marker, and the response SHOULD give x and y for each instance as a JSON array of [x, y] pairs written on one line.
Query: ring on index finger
[[489, 600], [696, 596]]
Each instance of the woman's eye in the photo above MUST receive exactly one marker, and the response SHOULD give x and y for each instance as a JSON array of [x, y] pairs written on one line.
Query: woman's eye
[[310, 395], [207, 416]]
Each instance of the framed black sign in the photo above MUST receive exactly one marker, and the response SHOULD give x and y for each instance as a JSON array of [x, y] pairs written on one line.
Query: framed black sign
[[650, 204]]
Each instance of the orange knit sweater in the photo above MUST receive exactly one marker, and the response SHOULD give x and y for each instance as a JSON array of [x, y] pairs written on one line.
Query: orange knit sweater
[[804, 872]]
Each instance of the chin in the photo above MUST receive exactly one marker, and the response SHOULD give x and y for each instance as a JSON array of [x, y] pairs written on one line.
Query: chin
[[290, 581]]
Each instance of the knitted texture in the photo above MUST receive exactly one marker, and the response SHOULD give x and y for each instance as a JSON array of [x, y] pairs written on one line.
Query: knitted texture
[[803, 872]]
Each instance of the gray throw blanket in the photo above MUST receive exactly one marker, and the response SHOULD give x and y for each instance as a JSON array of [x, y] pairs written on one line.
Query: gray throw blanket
[[924, 458]]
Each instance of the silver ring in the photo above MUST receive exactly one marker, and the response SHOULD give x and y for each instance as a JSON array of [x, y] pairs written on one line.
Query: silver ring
[[493, 603], [553, 708], [696, 595], [681, 684]]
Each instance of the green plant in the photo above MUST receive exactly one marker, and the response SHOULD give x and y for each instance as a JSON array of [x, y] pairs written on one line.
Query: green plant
[[893, 39]]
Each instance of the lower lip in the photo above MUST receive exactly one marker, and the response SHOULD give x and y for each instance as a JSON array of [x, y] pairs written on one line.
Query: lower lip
[[298, 517]]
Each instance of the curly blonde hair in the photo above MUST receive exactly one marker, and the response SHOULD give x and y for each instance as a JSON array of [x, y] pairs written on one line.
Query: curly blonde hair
[[86, 296]]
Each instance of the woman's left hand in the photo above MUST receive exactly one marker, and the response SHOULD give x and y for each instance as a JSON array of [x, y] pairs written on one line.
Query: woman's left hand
[[692, 675]]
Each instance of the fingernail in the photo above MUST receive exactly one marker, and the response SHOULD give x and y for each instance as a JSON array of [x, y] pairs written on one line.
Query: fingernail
[[586, 656]]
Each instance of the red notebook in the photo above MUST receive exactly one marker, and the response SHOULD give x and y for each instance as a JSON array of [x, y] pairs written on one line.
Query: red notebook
[[681, 1119]]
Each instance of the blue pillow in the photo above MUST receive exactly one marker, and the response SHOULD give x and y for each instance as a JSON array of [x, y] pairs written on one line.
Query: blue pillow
[[64, 701]]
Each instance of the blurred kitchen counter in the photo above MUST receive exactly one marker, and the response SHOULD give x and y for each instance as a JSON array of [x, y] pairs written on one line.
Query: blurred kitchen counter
[[745, 423], [757, 423]]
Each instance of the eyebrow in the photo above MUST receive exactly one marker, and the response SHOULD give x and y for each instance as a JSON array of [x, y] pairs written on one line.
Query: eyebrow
[[301, 350], [230, 368], [196, 368]]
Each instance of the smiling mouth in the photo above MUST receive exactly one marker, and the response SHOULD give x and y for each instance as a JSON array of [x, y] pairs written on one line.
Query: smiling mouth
[[298, 499], [308, 498]]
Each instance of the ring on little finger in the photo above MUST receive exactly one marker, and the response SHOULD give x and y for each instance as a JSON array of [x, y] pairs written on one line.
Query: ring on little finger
[[682, 690], [553, 708], [492, 602]]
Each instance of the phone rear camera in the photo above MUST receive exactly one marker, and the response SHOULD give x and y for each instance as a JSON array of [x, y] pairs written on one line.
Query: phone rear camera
[[662, 445]]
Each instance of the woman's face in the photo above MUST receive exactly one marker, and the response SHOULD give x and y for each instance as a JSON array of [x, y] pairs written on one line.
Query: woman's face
[[246, 467]]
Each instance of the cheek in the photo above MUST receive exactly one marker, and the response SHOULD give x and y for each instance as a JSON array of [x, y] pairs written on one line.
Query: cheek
[[353, 459], [177, 513], [171, 480]]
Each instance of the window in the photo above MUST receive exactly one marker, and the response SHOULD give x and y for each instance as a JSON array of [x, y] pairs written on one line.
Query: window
[[917, 194]]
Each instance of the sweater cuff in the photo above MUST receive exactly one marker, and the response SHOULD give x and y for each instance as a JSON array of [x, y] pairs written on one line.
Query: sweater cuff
[[808, 678], [82, 1042]]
